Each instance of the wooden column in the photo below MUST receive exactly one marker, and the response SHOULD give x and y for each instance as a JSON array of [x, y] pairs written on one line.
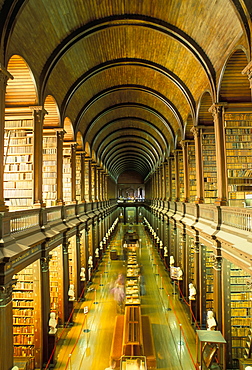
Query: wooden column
[[93, 182], [159, 182], [164, 166], [82, 177], [217, 111], [88, 182], [199, 165], [66, 303], [38, 118], [184, 145], [4, 76], [217, 289], [98, 193], [73, 172], [176, 164], [60, 136], [6, 327], [197, 267], [169, 174], [45, 290]]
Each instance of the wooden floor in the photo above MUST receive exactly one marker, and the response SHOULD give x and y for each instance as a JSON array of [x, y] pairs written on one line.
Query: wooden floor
[[86, 345]]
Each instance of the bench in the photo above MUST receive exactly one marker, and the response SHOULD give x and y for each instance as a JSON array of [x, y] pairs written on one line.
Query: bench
[[117, 341], [148, 344]]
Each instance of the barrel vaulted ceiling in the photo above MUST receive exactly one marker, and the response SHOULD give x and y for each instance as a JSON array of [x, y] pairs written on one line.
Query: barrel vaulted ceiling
[[129, 74]]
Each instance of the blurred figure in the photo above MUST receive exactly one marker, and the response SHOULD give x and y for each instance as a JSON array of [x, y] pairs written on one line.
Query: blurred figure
[[118, 292]]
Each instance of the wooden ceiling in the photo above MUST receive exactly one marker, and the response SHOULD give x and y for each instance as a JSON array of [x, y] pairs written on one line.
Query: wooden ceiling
[[128, 74]]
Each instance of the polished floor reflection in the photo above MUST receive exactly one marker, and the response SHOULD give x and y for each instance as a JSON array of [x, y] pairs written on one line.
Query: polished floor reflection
[[87, 344]]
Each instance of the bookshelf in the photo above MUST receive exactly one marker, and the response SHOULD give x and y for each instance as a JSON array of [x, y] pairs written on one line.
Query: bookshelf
[[49, 168], [86, 170], [192, 172], [18, 163], [26, 315], [209, 167], [190, 260], [173, 182], [238, 130], [241, 310], [207, 281], [72, 258], [78, 177], [181, 176], [56, 282], [67, 174]]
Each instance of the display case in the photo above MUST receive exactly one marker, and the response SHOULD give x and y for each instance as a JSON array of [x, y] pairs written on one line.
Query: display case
[[210, 349]]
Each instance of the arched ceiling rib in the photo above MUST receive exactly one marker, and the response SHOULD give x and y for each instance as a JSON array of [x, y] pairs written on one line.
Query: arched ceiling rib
[[135, 145], [129, 122], [124, 72], [128, 140]]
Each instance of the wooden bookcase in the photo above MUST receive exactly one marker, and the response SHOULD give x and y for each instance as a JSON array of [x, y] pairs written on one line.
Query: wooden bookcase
[[18, 163], [239, 156], [181, 176], [49, 167], [190, 259], [67, 174], [207, 281], [56, 283], [241, 310], [26, 304], [173, 182], [209, 167], [192, 173], [78, 177], [72, 258]]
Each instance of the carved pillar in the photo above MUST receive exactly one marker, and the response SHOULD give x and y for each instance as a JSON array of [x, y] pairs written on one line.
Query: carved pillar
[[184, 145], [217, 112], [66, 303], [197, 267], [6, 327], [73, 172], [217, 289], [199, 165], [106, 187], [60, 136], [93, 182], [169, 174], [98, 182], [88, 182], [45, 288], [164, 181], [4, 76], [38, 118], [176, 164], [82, 177], [248, 71], [159, 182]]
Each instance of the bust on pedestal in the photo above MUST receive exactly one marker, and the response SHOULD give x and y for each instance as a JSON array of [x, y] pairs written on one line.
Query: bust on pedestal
[[71, 295], [211, 322], [192, 292], [82, 274], [52, 323]]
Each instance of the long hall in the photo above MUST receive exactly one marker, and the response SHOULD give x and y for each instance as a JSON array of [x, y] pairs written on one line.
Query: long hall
[[88, 343]]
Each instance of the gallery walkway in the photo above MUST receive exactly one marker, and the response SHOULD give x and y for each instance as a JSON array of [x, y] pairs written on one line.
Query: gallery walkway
[[86, 345]]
